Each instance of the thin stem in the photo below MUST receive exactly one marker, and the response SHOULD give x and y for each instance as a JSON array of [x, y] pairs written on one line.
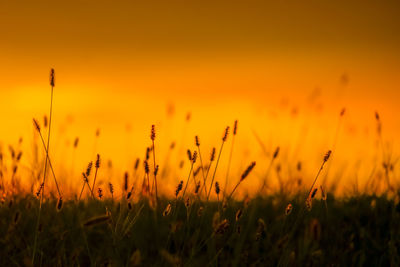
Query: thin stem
[[187, 182], [154, 169], [266, 176], [234, 189], [205, 182], [44, 177], [95, 176], [229, 165], [202, 168], [215, 170], [50, 165], [83, 187]]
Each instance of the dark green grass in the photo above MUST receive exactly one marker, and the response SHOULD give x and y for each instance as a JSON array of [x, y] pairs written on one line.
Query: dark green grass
[[358, 231]]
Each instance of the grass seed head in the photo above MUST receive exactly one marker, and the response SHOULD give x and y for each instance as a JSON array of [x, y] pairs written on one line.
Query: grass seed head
[[146, 167], [167, 210], [156, 170], [137, 164], [52, 78], [217, 188], [197, 189], [111, 188], [248, 170], [153, 132], [45, 121], [235, 126], [225, 136], [89, 169], [212, 157], [76, 142], [194, 157], [178, 188], [197, 141], [100, 192], [327, 155], [126, 177], [97, 161], [276, 153], [342, 112]]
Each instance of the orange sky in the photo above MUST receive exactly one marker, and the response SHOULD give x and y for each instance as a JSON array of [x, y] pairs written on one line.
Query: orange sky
[[120, 64]]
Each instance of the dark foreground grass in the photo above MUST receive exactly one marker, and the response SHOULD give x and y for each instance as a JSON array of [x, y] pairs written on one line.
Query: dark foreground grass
[[357, 231]]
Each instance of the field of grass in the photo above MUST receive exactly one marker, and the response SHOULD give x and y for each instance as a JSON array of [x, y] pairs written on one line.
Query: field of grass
[[358, 231], [203, 223]]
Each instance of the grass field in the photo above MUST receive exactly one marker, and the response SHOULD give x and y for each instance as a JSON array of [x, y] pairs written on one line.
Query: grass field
[[203, 222], [358, 231]]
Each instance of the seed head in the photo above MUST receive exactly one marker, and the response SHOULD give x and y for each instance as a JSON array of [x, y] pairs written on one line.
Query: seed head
[[225, 136], [197, 141], [212, 158], [377, 117], [156, 171], [188, 116], [196, 191], [217, 189], [187, 202], [52, 78], [153, 132], [89, 169], [342, 112], [327, 155], [126, 177], [39, 191], [178, 188], [146, 167], [235, 125], [299, 166], [189, 153], [76, 142], [167, 210], [111, 188], [276, 153], [248, 170], [147, 153], [194, 157], [172, 145], [137, 163], [100, 192], [98, 161], [45, 121]]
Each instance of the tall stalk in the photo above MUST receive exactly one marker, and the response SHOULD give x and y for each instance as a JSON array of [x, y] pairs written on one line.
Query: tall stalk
[[52, 84]]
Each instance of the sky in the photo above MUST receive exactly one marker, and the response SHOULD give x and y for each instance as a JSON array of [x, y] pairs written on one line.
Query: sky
[[279, 67]]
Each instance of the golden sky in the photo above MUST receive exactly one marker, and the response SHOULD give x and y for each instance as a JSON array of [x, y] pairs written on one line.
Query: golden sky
[[120, 64]]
